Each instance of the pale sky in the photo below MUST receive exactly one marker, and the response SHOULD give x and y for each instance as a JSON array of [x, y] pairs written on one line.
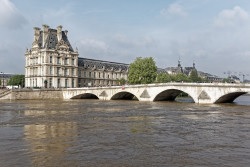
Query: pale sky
[[215, 34]]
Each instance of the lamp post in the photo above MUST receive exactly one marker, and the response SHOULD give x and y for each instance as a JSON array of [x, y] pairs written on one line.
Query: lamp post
[[3, 79], [243, 76]]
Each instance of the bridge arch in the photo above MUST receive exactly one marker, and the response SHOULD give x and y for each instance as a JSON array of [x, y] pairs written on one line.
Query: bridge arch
[[170, 95], [230, 97], [85, 96], [124, 95]]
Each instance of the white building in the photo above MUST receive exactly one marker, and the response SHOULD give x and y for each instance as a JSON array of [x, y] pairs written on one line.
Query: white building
[[100, 73], [51, 62]]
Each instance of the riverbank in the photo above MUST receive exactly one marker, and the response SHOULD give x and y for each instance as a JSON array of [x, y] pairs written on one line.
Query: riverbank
[[31, 94]]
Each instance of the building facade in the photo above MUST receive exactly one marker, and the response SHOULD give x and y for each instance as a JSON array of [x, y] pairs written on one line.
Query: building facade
[[180, 69], [100, 73], [52, 63]]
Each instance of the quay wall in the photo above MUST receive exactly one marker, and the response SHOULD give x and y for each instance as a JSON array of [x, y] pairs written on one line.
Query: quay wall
[[33, 94]]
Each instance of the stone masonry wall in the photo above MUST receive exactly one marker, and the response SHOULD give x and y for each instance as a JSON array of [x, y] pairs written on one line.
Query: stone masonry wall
[[36, 94]]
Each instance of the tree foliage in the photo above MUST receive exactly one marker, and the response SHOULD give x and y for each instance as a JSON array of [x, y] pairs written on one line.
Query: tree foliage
[[121, 81], [194, 76], [17, 80], [142, 71], [180, 77], [163, 78], [228, 80]]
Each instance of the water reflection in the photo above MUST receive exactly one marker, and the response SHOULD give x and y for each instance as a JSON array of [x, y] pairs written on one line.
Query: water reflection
[[49, 142]]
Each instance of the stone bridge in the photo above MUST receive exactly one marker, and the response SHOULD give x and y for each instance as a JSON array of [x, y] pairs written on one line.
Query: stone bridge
[[199, 92]]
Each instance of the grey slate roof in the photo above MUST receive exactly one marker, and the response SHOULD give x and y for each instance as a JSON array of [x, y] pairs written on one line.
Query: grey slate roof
[[102, 65], [52, 40]]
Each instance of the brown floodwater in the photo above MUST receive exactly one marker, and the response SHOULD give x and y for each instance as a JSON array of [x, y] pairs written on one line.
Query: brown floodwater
[[124, 133]]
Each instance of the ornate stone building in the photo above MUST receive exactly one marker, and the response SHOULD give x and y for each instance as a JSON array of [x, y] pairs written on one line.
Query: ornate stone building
[[100, 73], [51, 62]]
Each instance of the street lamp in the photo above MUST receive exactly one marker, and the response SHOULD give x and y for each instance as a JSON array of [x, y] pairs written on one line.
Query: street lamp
[[243, 76], [3, 79]]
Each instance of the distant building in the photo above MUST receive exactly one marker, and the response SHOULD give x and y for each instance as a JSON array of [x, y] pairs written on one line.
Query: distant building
[[5, 79], [100, 73], [180, 69], [210, 77], [234, 79], [246, 81], [53, 63]]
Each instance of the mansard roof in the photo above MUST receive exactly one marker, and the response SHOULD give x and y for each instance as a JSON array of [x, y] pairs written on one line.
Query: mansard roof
[[51, 42], [102, 65], [161, 70], [174, 69]]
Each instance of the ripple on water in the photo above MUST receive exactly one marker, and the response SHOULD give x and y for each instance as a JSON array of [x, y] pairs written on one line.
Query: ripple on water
[[123, 133]]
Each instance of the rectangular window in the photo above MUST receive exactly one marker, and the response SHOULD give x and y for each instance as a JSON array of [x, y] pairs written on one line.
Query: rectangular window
[[65, 71], [58, 71], [66, 61], [58, 60], [50, 70], [58, 83], [73, 83], [73, 72], [73, 61], [89, 74], [84, 74], [66, 83], [50, 82], [94, 74], [50, 59], [79, 73]]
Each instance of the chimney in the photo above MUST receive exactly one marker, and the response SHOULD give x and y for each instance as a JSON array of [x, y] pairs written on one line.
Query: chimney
[[45, 33], [59, 33], [66, 32], [36, 33]]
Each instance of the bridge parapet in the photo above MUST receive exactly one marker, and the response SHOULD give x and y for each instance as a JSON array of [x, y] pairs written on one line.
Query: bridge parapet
[[200, 92]]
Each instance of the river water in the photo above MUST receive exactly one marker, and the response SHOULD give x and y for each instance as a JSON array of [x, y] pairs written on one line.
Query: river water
[[124, 133]]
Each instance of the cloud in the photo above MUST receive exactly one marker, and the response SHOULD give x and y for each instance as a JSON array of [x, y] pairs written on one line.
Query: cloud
[[174, 9], [231, 17], [64, 12], [10, 17], [125, 42], [93, 46]]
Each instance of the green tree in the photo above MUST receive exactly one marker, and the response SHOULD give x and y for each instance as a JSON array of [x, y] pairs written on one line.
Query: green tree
[[180, 77], [142, 71], [17, 80], [227, 80], [163, 78], [194, 76], [121, 81]]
